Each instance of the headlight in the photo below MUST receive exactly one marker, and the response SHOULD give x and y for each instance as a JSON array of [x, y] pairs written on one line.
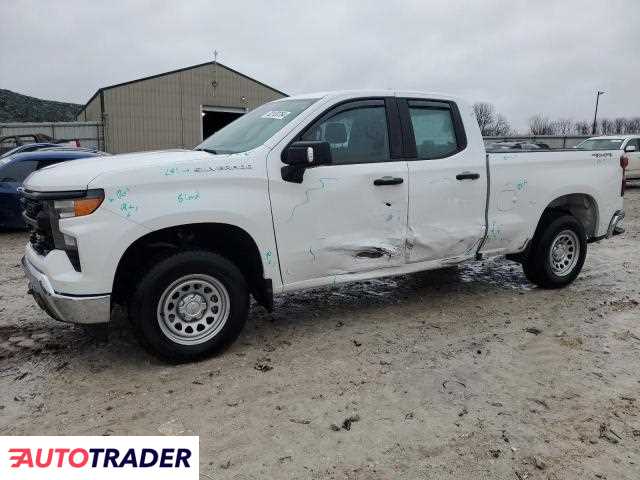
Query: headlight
[[79, 207], [75, 207]]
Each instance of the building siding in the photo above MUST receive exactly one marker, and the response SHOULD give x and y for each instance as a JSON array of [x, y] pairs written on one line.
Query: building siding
[[165, 111]]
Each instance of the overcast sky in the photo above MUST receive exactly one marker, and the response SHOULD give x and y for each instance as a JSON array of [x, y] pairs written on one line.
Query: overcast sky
[[526, 57]]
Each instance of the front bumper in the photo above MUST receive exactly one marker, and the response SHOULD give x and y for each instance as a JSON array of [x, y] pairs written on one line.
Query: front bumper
[[65, 308]]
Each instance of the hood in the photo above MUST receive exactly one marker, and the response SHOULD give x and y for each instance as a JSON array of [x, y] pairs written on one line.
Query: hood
[[78, 174]]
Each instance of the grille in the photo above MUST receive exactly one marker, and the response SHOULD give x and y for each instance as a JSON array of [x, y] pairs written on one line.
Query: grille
[[36, 214]]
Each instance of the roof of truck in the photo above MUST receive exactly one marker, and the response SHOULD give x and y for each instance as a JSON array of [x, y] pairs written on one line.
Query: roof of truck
[[369, 93]]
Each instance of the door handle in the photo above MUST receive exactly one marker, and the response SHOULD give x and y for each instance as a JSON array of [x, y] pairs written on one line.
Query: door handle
[[467, 176], [388, 181]]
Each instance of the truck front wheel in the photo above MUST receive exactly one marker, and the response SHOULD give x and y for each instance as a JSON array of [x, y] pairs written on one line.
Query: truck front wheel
[[189, 305], [557, 252]]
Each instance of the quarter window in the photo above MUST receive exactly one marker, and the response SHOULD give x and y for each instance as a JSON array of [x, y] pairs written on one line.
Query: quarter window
[[433, 130], [356, 135]]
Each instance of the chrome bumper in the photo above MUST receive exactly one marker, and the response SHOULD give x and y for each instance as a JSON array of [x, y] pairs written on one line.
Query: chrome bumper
[[615, 225], [71, 309]]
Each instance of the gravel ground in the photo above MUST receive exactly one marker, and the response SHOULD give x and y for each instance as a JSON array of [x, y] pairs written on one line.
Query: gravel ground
[[466, 372]]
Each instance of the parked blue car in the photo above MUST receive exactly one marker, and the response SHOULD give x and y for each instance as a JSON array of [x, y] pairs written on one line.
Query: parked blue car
[[31, 147], [15, 168]]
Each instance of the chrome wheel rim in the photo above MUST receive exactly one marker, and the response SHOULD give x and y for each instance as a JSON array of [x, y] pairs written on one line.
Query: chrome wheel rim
[[564, 253], [193, 309]]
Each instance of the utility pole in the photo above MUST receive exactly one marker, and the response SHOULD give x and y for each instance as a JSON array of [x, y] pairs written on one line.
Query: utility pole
[[214, 84], [595, 115]]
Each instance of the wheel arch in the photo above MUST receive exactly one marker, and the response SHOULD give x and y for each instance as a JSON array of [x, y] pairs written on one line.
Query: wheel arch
[[582, 206], [228, 240]]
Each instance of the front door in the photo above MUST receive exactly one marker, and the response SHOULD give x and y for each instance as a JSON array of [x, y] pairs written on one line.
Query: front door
[[448, 183], [348, 217]]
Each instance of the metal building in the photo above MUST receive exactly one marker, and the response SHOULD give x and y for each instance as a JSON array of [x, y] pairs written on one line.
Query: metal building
[[176, 109]]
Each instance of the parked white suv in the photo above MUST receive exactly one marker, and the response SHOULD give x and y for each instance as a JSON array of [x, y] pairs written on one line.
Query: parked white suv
[[302, 192], [629, 145]]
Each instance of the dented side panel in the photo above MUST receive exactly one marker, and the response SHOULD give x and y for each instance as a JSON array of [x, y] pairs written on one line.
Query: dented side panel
[[337, 222], [447, 213]]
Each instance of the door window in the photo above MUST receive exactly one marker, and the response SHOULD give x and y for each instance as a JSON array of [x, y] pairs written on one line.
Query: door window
[[433, 129], [16, 172], [357, 133]]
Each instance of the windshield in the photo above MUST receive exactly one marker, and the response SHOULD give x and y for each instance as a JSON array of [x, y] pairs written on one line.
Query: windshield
[[256, 127], [600, 144]]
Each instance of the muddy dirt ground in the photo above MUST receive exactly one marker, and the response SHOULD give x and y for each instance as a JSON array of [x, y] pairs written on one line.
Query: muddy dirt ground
[[468, 372]]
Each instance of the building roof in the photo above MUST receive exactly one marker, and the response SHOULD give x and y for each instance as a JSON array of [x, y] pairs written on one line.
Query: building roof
[[178, 71]]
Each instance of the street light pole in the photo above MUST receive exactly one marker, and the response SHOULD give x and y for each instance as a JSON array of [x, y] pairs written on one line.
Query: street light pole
[[595, 115]]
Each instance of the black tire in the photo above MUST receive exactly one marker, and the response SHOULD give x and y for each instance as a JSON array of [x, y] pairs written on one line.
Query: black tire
[[538, 265], [144, 305]]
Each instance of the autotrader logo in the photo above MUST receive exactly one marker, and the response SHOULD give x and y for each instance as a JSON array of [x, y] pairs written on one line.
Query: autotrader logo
[[70, 458]]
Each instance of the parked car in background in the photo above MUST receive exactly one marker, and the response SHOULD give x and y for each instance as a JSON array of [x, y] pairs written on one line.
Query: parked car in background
[[10, 142], [30, 147], [496, 146], [15, 168], [629, 145]]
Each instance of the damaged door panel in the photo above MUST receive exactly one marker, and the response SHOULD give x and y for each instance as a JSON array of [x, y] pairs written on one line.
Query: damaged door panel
[[349, 216], [448, 186]]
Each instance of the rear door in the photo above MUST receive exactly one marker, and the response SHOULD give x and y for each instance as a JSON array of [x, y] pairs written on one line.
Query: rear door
[[349, 217], [447, 182]]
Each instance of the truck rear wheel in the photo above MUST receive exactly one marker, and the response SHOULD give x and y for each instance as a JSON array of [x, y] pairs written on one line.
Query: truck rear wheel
[[557, 252], [189, 305]]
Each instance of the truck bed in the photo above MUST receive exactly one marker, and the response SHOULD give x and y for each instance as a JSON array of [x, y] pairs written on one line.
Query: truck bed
[[523, 183]]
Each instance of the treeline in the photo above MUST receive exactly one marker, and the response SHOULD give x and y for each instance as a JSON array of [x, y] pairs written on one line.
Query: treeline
[[541, 125], [495, 124]]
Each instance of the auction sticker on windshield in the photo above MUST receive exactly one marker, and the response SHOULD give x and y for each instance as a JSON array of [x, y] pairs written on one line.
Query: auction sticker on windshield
[[99, 458], [276, 114]]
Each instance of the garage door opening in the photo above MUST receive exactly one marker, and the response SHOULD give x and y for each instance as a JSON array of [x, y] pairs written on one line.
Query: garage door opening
[[214, 118]]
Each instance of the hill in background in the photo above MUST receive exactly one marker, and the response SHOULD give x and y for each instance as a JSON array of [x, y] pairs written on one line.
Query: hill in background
[[15, 107]]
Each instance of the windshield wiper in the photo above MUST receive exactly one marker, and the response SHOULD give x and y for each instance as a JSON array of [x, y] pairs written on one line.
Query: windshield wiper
[[208, 150]]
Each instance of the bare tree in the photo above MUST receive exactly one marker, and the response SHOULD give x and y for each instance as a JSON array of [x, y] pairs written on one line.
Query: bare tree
[[620, 125], [582, 127], [484, 114], [490, 122], [606, 126], [563, 126], [540, 125], [633, 125], [501, 126]]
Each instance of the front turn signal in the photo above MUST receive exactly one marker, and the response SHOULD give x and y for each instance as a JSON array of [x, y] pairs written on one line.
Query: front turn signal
[[86, 206], [79, 207]]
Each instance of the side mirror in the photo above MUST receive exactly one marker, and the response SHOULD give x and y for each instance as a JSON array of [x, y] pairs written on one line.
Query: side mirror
[[302, 155], [308, 154], [630, 148]]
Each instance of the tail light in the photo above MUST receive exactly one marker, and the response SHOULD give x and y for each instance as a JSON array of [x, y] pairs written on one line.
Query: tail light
[[624, 163]]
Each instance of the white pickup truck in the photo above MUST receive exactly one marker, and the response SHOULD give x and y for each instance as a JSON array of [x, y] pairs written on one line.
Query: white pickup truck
[[302, 192]]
